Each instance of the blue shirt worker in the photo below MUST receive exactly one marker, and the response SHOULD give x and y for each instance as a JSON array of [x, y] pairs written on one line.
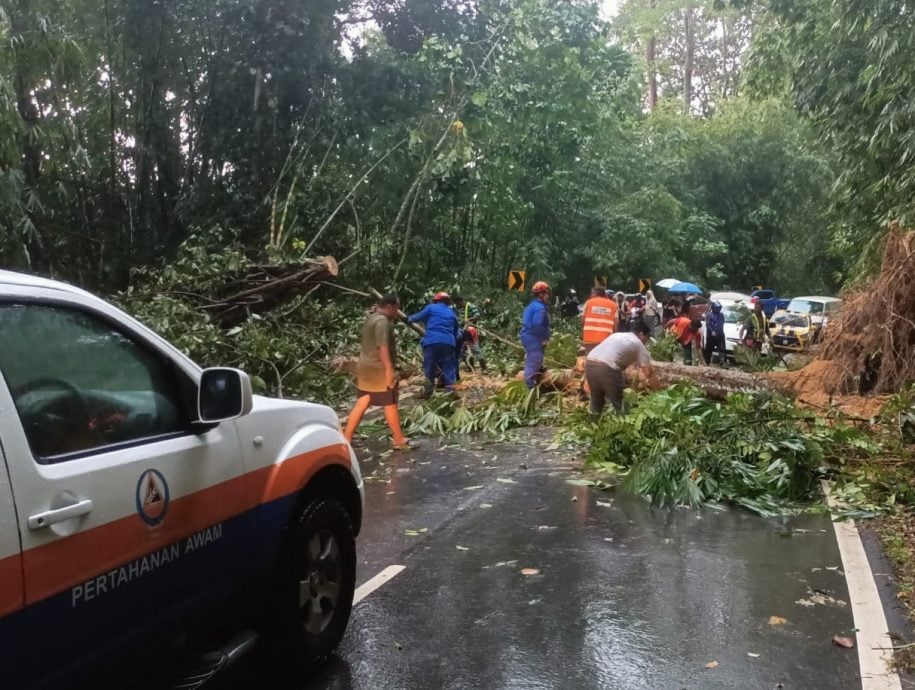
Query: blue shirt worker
[[440, 341], [535, 332], [714, 335]]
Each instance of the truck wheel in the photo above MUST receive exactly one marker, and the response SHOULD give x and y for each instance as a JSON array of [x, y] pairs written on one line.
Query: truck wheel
[[319, 580]]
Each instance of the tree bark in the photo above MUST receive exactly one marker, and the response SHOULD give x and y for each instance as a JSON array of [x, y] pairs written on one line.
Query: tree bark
[[652, 75], [650, 49], [689, 53]]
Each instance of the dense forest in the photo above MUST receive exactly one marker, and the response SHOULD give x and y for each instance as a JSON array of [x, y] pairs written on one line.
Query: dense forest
[[446, 141], [151, 145]]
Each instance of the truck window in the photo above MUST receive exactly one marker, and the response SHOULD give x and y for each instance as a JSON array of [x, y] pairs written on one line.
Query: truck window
[[80, 385], [805, 306]]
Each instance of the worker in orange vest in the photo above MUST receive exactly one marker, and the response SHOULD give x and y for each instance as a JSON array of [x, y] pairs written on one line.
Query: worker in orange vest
[[598, 322]]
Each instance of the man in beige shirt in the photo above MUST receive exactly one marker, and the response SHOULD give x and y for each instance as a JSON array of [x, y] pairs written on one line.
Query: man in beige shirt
[[376, 378], [606, 365]]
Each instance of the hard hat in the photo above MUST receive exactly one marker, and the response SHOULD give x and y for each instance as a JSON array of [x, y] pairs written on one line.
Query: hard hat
[[716, 305], [572, 291], [441, 297], [540, 286]]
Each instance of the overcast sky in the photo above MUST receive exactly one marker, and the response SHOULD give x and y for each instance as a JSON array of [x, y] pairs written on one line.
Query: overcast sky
[[609, 7]]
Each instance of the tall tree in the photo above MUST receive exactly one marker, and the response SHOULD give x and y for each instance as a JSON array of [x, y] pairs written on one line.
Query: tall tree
[[851, 69]]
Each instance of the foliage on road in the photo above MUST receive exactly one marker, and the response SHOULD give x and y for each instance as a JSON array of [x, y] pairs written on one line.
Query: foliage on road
[[755, 450], [512, 407]]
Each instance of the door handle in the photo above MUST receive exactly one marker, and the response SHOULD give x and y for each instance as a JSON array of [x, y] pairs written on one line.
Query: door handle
[[50, 517]]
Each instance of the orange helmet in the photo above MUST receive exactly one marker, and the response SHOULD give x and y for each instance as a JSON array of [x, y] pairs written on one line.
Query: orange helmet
[[540, 286], [441, 297]]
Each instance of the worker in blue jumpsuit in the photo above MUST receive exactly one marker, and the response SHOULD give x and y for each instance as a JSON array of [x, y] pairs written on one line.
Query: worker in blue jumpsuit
[[535, 332], [440, 342]]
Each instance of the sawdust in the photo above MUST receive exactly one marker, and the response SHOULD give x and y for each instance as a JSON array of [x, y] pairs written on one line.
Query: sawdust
[[817, 386]]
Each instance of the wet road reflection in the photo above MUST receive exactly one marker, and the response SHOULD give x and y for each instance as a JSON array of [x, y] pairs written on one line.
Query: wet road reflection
[[626, 596]]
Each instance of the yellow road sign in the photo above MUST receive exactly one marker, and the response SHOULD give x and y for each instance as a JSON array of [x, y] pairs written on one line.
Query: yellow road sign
[[516, 280], [644, 284], [601, 281]]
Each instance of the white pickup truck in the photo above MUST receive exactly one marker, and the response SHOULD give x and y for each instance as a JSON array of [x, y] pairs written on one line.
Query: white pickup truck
[[147, 505]]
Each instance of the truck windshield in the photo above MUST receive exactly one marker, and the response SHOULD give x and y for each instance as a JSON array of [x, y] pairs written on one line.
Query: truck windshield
[[805, 306]]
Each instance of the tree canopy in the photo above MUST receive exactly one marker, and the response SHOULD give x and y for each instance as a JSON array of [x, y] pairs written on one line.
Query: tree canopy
[[444, 142]]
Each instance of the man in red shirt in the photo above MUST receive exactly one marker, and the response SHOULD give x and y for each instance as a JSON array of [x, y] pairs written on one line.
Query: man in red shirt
[[688, 332]]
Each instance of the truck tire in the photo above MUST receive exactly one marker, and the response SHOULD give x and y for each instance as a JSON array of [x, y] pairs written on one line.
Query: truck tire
[[318, 580]]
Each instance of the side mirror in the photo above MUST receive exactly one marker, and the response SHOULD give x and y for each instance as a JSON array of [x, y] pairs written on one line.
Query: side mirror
[[223, 394]]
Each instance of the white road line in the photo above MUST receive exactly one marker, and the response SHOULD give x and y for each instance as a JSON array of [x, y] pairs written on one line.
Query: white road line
[[872, 638], [368, 587]]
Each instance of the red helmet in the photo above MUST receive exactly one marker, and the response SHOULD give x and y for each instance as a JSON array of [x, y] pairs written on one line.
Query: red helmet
[[540, 286], [441, 297]]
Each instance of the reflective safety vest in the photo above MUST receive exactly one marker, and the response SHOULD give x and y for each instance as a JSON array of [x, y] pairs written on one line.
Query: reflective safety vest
[[598, 320]]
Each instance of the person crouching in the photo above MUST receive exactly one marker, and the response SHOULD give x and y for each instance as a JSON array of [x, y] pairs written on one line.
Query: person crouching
[[606, 364]]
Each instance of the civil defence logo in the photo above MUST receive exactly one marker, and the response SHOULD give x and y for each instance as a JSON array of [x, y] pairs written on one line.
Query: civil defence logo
[[152, 497]]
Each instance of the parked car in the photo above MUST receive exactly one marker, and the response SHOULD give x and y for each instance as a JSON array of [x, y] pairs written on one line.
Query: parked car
[[148, 506], [819, 309], [698, 305], [771, 303], [734, 315], [794, 333], [727, 298]]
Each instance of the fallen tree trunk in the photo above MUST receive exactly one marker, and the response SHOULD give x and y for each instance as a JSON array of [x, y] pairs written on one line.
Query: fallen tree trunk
[[716, 382], [265, 287]]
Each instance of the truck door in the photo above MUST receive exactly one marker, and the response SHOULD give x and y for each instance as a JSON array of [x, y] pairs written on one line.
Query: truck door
[[125, 508], [11, 592]]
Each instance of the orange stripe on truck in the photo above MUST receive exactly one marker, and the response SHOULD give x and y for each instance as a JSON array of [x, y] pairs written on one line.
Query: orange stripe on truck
[[10, 584], [68, 561]]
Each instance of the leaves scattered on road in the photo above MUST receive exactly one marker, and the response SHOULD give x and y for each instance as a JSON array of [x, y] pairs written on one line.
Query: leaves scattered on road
[[462, 548], [777, 620], [819, 597], [506, 480], [845, 642], [753, 655], [530, 571], [712, 664]]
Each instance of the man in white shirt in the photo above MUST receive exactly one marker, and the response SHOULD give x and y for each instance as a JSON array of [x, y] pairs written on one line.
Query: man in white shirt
[[606, 364]]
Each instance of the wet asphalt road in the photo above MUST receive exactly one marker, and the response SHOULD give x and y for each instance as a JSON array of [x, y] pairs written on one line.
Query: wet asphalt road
[[625, 596]]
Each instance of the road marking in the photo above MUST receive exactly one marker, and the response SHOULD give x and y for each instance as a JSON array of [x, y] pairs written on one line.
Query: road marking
[[367, 588], [873, 640]]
